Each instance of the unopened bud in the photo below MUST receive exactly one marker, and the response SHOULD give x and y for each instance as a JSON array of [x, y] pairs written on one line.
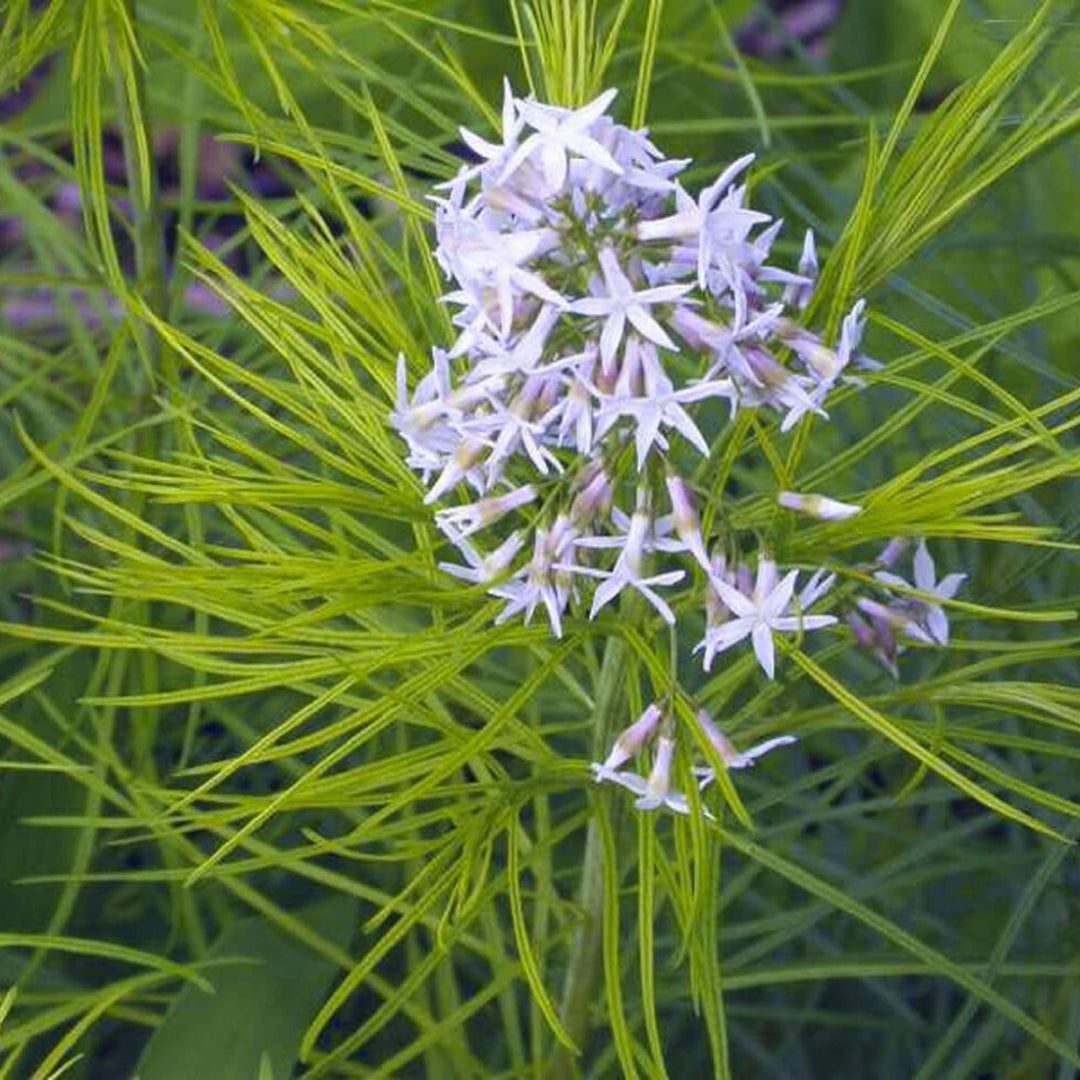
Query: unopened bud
[[876, 636], [593, 499], [656, 787], [687, 527], [864, 633], [893, 550], [633, 738], [903, 618], [819, 506]]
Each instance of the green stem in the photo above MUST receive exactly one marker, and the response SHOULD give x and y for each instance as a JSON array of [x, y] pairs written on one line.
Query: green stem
[[151, 273], [579, 989], [152, 287]]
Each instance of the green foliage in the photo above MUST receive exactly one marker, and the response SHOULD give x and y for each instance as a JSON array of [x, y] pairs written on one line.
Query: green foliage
[[253, 740], [266, 988]]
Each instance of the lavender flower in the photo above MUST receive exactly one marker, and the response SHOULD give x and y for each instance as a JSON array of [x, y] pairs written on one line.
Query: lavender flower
[[921, 619], [758, 616], [601, 309], [819, 506], [731, 757], [656, 791], [580, 267]]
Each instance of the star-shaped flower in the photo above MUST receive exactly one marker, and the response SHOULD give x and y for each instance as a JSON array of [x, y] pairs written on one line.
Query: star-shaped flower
[[731, 757], [427, 423], [828, 365], [780, 388], [703, 220], [558, 133], [535, 583], [521, 424], [656, 791], [484, 568], [622, 303], [931, 626], [574, 409], [496, 260], [520, 358], [492, 152], [628, 568], [460, 465], [661, 405], [647, 799], [758, 616], [460, 522]]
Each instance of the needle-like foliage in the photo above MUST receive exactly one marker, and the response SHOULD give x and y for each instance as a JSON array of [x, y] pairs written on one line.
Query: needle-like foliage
[[254, 740]]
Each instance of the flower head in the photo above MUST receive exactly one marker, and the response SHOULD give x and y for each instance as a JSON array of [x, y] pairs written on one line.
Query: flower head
[[921, 619], [759, 616], [600, 309], [731, 757], [558, 133], [656, 791]]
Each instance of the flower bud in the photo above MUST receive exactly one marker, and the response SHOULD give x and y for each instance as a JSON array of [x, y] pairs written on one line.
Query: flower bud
[[893, 550], [687, 527], [593, 499], [656, 788], [819, 506], [633, 738], [904, 616], [877, 637]]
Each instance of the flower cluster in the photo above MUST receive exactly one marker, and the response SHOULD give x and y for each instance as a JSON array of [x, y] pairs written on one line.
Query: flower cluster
[[656, 790], [914, 616], [602, 311], [600, 306]]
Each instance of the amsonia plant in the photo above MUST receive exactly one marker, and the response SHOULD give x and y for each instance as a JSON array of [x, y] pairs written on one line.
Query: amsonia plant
[[502, 599]]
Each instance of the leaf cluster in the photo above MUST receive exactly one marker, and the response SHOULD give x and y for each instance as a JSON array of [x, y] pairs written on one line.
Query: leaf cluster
[[252, 739]]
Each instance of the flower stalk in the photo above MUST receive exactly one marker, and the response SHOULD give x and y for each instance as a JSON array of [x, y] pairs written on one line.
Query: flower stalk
[[579, 987], [148, 226]]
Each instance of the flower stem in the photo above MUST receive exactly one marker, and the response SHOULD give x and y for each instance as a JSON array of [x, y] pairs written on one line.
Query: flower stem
[[579, 989], [151, 273]]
